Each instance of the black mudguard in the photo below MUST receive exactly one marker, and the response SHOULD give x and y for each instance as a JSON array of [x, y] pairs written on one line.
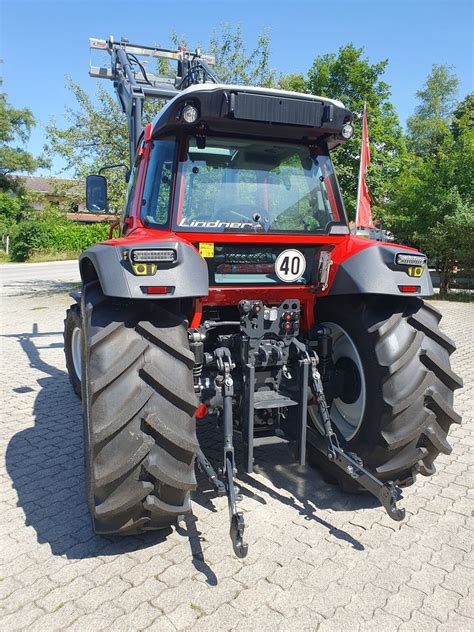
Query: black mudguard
[[187, 276], [374, 271]]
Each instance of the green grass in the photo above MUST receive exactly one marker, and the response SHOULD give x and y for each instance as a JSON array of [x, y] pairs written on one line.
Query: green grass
[[43, 257], [458, 297]]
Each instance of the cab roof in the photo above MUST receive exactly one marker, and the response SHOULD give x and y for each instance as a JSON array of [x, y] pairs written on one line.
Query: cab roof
[[255, 111]]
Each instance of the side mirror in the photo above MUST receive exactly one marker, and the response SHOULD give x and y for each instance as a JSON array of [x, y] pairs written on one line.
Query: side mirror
[[96, 194]]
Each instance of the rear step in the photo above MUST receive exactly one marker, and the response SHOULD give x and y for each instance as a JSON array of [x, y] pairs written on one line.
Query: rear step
[[260, 442], [270, 399]]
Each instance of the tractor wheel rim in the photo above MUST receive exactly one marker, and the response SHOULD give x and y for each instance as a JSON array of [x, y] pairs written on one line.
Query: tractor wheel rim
[[76, 351], [347, 417]]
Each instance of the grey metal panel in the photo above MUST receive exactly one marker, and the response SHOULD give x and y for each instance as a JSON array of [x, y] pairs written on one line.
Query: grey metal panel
[[260, 107], [189, 275], [374, 271], [339, 230]]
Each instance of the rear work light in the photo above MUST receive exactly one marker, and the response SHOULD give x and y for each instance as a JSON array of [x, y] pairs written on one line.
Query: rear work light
[[409, 260], [347, 131], [409, 289], [155, 255], [190, 113]]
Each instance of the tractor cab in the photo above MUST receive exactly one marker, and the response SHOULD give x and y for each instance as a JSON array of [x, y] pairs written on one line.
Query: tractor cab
[[241, 185], [229, 159]]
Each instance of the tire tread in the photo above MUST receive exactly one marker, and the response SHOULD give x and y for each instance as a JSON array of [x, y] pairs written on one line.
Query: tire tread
[[124, 416], [414, 413]]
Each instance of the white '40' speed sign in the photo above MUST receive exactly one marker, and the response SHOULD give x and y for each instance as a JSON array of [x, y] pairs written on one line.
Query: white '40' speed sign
[[290, 265]]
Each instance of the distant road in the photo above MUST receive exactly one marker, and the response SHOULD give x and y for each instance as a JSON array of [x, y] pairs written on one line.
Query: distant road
[[26, 279]]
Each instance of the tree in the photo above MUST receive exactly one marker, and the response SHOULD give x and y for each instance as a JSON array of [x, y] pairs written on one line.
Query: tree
[[235, 65], [350, 77], [294, 82], [429, 125], [463, 116], [432, 205], [11, 209], [96, 136], [459, 165], [15, 128], [448, 242]]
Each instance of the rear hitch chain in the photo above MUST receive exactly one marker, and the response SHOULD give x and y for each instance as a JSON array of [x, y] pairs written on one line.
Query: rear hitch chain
[[386, 492], [226, 383]]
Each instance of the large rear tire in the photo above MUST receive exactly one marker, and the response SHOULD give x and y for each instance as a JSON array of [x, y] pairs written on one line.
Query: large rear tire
[[72, 346], [139, 403], [406, 385]]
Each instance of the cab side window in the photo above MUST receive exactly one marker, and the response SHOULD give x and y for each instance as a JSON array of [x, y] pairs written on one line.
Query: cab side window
[[158, 184], [131, 188]]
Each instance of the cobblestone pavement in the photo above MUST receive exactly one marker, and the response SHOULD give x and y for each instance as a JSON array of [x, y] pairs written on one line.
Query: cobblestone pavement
[[318, 559]]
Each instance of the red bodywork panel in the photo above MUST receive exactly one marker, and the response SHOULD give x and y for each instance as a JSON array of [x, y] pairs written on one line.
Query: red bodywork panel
[[344, 246]]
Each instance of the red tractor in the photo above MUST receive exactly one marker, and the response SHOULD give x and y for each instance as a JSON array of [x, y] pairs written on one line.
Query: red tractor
[[236, 290]]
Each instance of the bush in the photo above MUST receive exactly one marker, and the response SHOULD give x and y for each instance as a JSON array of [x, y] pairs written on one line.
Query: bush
[[52, 232], [13, 209]]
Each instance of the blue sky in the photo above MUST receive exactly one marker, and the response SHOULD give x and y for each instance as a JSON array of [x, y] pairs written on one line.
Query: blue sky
[[43, 41]]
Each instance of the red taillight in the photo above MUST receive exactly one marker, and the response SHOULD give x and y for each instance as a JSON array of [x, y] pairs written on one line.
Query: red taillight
[[201, 411], [157, 289], [409, 289]]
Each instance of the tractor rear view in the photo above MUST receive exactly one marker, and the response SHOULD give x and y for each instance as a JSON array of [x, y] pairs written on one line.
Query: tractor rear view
[[235, 289]]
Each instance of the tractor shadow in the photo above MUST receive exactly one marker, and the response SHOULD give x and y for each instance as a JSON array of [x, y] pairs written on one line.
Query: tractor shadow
[[40, 288], [278, 477], [45, 463]]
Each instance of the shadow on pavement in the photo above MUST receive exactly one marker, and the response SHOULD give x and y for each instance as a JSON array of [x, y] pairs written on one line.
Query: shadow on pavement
[[303, 488], [36, 288], [45, 463]]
